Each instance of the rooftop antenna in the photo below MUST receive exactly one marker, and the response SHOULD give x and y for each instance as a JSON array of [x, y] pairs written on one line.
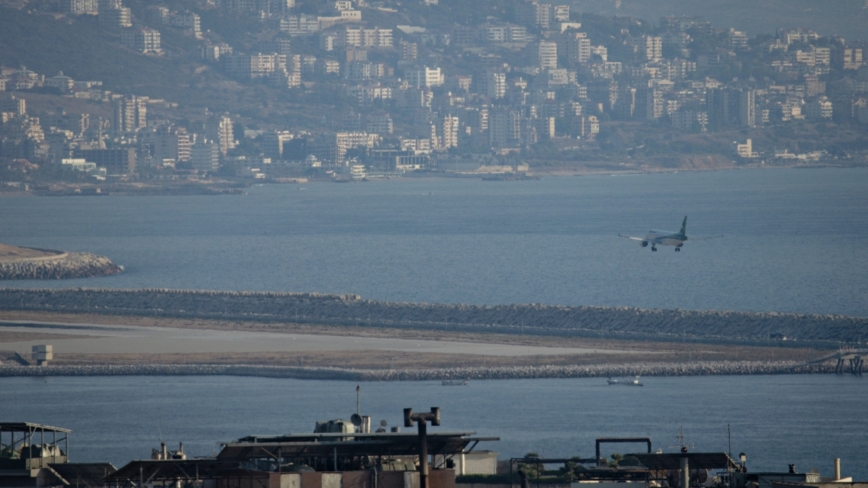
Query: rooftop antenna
[[358, 400], [729, 435]]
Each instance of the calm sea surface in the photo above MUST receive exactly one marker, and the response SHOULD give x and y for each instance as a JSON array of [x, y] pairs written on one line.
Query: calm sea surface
[[794, 240], [775, 420]]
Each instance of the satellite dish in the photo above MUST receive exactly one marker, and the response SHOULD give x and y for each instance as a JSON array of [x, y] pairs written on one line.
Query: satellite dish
[[356, 420], [383, 423]]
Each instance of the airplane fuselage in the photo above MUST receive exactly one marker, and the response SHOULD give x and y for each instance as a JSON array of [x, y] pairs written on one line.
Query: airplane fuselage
[[664, 238]]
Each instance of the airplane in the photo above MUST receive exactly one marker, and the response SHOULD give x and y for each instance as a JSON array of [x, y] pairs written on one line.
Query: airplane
[[667, 238]]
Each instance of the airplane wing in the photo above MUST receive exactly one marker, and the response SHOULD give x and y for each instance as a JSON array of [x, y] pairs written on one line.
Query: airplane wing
[[705, 238], [632, 238]]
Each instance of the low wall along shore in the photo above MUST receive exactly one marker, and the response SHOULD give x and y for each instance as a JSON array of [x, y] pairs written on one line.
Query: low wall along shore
[[57, 265], [351, 310], [650, 369]]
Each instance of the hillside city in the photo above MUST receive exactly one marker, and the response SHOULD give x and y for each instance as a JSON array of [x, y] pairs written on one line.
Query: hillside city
[[286, 91]]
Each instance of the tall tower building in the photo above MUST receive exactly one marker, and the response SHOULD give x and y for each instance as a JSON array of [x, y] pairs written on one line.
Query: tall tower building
[[220, 131], [548, 55], [449, 134], [653, 48], [494, 84], [129, 114], [747, 108]]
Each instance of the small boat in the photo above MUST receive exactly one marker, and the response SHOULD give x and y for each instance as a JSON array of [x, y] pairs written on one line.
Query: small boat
[[625, 381], [454, 382]]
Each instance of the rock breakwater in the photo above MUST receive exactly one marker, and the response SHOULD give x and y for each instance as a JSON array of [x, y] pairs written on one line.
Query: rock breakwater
[[57, 267], [352, 310], [516, 372]]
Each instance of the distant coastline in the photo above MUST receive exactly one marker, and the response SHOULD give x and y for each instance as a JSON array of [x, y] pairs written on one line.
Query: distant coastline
[[233, 187]]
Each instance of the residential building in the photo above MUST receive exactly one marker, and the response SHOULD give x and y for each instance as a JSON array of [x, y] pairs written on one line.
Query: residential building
[[129, 114], [169, 143], [548, 55], [423, 77], [533, 14], [653, 48], [493, 85], [448, 136], [504, 128], [253, 66], [115, 18], [80, 7], [142, 39], [273, 143], [205, 156], [819, 109], [219, 131], [61, 82], [115, 161], [747, 108]]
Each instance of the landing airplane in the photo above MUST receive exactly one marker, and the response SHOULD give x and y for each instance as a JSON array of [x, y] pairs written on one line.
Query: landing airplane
[[666, 238]]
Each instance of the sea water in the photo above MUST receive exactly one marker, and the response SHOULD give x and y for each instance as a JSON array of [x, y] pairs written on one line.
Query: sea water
[[806, 420], [793, 240]]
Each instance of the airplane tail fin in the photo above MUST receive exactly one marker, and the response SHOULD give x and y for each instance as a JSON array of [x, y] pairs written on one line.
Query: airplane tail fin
[[684, 226]]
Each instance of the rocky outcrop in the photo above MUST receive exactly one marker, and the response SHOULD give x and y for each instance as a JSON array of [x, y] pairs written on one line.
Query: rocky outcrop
[[602, 371], [57, 267]]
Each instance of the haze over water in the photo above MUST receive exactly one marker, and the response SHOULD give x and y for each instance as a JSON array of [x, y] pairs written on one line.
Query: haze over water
[[793, 240]]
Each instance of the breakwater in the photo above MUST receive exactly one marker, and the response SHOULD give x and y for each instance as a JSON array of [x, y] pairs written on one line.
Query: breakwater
[[351, 310], [706, 368], [58, 266]]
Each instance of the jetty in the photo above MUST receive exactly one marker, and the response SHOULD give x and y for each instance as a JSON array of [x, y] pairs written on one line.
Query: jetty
[[25, 263]]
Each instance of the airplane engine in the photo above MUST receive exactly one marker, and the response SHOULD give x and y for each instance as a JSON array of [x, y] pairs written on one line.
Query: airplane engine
[[644, 243]]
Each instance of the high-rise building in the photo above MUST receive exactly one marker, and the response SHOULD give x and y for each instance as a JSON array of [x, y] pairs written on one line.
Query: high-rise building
[[169, 143], [747, 108], [577, 47], [653, 48], [548, 55], [129, 114], [504, 128], [205, 156], [533, 14], [493, 84], [449, 132], [219, 130]]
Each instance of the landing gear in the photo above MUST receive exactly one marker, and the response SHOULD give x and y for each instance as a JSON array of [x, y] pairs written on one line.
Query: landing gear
[[677, 249], [644, 243], [653, 248]]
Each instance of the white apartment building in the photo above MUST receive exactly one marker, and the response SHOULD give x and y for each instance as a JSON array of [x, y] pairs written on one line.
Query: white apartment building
[[423, 77], [449, 132], [129, 114], [548, 55], [300, 25], [653, 48], [254, 65]]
